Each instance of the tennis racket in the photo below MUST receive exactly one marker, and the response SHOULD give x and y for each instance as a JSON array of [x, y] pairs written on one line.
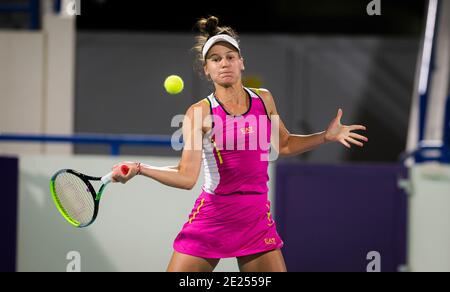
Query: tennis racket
[[75, 197]]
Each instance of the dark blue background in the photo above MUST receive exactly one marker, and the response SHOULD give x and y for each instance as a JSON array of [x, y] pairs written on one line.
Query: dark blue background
[[8, 213]]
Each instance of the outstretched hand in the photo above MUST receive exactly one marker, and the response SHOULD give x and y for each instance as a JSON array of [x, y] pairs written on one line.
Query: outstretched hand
[[336, 132]]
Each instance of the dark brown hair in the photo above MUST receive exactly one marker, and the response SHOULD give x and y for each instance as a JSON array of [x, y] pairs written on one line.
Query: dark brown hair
[[208, 28]]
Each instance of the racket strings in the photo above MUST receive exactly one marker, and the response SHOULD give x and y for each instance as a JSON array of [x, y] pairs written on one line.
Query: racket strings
[[75, 197]]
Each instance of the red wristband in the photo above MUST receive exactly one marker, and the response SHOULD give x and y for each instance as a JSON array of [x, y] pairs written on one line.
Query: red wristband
[[138, 168]]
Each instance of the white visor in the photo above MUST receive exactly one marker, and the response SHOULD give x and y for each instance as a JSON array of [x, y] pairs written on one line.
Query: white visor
[[219, 38]]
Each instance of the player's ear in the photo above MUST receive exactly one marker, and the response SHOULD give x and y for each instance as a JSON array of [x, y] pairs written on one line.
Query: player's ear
[[243, 66], [208, 77]]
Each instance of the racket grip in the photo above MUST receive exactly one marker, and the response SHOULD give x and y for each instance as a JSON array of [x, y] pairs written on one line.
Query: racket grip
[[107, 178]]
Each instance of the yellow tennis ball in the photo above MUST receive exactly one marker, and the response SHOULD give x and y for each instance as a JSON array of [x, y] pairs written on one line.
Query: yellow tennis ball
[[174, 84]]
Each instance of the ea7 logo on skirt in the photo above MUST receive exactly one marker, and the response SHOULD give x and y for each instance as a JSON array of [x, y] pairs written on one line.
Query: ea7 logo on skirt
[[270, 241]]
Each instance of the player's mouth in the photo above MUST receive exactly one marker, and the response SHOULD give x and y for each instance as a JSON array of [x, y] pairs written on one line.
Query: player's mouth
[[226, 73]]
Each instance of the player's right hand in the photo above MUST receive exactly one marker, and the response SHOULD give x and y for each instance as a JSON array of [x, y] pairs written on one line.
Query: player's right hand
[[119, 176]]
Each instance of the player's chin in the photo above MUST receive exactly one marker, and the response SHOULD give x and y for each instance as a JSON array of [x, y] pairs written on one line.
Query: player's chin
[[227, 81]]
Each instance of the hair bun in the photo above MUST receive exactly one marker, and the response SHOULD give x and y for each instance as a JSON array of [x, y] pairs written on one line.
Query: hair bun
[[208, 26]]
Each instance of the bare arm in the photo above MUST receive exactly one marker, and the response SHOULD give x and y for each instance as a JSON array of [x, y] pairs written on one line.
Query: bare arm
[[293, 144], [185, 174]]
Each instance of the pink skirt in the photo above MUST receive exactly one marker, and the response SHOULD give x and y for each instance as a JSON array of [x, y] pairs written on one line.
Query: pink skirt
[[228, 226]]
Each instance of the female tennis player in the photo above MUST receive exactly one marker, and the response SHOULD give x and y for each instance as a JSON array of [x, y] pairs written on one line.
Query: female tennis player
[[231, 217]]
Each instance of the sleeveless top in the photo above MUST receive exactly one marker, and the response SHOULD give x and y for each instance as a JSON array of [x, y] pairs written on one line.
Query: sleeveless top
[[236, 150]]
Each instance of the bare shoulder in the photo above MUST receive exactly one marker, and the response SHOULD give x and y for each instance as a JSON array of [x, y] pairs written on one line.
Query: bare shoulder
[[200, 110], [201, 106], [267, 98]]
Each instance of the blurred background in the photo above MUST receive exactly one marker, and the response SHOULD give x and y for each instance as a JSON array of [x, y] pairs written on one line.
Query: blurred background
[[81, 86]]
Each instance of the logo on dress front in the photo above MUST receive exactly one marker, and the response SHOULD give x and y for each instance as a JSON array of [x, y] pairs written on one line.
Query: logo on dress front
[[247, 130]]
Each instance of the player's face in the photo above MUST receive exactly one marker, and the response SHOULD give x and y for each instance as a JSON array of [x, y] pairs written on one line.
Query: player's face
[[224, 64]]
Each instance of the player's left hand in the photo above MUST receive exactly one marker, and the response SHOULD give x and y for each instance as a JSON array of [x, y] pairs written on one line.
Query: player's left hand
[[336, 132]]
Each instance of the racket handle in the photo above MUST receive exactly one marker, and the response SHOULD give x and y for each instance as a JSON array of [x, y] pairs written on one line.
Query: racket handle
[[107, 178]]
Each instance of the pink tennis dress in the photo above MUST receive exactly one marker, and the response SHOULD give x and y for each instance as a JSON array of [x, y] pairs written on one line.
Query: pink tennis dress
[[231, 217]]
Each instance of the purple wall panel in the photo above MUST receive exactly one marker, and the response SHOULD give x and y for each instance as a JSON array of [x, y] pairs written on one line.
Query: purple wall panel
[[331, 216]]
